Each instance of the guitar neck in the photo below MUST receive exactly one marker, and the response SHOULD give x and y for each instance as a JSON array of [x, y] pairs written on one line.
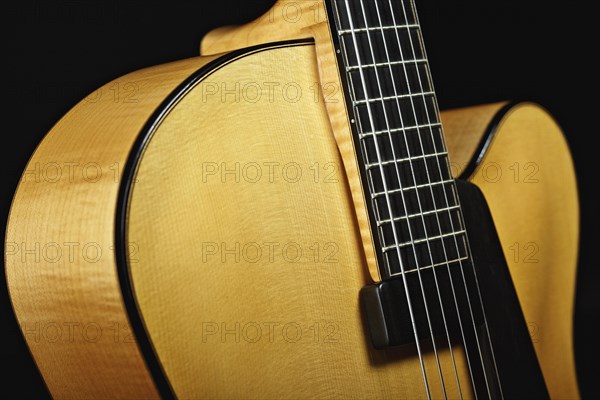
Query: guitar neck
[[415, 213], [429, 286]]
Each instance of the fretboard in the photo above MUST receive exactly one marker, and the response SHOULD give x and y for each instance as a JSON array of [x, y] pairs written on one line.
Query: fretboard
[[412, 199]]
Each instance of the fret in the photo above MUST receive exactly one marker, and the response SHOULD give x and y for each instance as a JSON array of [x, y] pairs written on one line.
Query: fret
[[422, 225], [420, 241], [398, 42], [408, 175], [352, 68], [406, 189], [404, 78], [406, 143], [396, 130], [404, 160], [450, 262], [376, 28], [423, 214], [393, 98], [416, 201], [428, 253]]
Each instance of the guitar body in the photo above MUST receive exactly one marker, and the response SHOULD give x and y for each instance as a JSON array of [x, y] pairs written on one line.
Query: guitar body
[[207, 244]]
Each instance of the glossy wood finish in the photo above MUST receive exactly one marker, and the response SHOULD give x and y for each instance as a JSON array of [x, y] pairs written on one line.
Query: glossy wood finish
[[464, 129], [60, 262], [528, 178], [286, 20]]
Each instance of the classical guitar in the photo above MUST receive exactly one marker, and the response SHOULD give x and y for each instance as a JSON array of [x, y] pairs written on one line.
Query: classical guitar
[[289, 215]]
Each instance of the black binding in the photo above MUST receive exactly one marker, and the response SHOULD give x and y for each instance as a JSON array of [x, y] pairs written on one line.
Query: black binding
[[127, 288], [486, 140]]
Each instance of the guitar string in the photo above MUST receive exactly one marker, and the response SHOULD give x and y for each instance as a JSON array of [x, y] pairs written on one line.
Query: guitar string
[[387, 198], [402, 123], [430, 82], [468, 248], [447, 202], [405, 70], [380, 20]]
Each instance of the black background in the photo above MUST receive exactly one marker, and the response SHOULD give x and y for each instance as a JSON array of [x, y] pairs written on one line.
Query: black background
[[57, 52]]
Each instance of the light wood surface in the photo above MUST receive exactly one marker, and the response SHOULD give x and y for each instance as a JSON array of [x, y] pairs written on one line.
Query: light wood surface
[[463, 131], [286, 20], [186, 291], [528, 179], [335, 104], [290, 20], [60, 262]]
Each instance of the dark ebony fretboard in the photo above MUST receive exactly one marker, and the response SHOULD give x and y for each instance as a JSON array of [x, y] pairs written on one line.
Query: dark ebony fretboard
[[413, 200]]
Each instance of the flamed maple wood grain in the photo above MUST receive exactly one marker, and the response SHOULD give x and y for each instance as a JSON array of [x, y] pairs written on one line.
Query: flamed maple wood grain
[[75, 210]]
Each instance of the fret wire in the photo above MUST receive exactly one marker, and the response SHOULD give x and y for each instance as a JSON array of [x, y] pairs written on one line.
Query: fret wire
[[416, 187], [424, 240], [407, 217], [371, 29], [402, 129], [407, 159], [410, 271], [408, 297], [392, 98], [351, 68]]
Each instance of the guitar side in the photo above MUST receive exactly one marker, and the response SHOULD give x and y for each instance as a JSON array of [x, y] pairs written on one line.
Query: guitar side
[[518, 157]]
